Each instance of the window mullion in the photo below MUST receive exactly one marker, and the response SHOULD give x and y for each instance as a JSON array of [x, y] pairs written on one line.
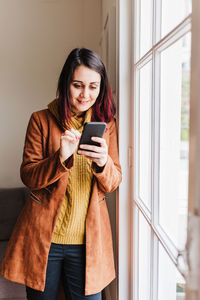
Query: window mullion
[[135, 288], [154, 267], [156, 136], [157, 20], [155, 145]]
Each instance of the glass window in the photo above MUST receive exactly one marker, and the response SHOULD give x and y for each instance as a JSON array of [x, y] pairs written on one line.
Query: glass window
[[146, 12], [174, 139], [171, 285], [173, 12]]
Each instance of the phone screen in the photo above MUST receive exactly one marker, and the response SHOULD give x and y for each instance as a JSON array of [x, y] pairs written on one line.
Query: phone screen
[[92, 129]]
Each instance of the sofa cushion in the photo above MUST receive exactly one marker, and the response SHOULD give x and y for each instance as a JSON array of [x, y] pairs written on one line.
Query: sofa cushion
[[11, 202], [8, 289]]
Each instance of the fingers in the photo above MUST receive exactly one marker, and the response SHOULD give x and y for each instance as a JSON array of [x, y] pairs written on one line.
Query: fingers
[[72, 132], [68, 137], [71, 135], [91, 154], [97, 154], [101, 149], [92, 148], [76, 133], [98, 158], [99, 140]]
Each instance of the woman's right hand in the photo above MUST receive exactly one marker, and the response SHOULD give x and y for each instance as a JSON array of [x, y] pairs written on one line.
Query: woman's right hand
[[68, 143]]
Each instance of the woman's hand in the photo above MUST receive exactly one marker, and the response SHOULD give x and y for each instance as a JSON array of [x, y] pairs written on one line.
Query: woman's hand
[[99, 154], [68, 143]]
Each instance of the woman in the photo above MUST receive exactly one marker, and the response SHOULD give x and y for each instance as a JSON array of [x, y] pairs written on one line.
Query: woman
[[64, 230]]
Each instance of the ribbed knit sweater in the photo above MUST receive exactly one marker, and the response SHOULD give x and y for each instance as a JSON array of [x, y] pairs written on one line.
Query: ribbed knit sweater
[[70, 224]]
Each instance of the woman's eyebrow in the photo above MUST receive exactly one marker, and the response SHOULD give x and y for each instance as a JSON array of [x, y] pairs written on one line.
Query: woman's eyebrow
[[77, 81], [94, 82]]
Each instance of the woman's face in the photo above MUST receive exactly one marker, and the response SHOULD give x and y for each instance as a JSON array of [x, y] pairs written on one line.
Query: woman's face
[[84, 89]]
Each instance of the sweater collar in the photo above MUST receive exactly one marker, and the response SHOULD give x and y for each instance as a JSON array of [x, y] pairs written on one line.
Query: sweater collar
[[76, 121]]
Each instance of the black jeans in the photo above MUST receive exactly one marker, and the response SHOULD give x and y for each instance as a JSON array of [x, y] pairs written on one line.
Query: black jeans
[[67, 262]]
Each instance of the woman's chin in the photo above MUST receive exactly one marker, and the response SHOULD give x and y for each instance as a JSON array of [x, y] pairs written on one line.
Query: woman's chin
[[79, 109]]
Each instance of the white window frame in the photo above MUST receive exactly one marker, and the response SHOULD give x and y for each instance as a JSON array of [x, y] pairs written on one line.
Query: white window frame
[[125, 213], [158, 234]]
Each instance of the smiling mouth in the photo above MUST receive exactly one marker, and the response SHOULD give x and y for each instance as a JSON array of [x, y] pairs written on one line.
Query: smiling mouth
[[83, 102]]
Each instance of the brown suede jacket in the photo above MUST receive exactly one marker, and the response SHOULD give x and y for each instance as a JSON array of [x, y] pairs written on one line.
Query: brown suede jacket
[[25, 260]]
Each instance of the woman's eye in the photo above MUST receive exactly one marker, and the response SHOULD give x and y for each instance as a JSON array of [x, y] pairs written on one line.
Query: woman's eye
[[93, 87], [78, 86]]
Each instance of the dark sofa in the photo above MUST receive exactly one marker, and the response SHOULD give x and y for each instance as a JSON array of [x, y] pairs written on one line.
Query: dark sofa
[[11, 202]]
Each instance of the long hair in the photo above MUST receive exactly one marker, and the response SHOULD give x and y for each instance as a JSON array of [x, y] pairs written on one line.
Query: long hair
[[103, 109]]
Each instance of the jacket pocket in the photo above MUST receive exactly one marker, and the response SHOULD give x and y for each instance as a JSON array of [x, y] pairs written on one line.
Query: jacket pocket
[[47, 188], [35, 198]]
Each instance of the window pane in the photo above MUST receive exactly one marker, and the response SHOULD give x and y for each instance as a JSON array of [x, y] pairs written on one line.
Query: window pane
[[145, 134], [144, 258], [174, 139], [171, 284], [173, 12], [145, 25]]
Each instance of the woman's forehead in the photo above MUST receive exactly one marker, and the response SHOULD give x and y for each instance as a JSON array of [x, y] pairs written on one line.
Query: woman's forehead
[[86, 75]]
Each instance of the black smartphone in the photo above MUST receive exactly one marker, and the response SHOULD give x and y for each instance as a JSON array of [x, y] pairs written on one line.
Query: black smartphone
[[92, 129]]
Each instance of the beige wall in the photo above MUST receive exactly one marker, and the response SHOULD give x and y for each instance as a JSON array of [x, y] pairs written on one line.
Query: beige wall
[[108, 39], [106, 7], [36, 36]]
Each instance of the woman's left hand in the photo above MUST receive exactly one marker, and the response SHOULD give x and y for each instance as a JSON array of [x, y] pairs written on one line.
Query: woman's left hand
[[99, 154]]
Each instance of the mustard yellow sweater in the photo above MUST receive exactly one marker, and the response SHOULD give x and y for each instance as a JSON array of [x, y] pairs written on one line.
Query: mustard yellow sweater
[[70, 224]]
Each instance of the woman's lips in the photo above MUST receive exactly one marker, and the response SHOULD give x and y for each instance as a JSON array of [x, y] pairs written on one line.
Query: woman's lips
[[83, 102]]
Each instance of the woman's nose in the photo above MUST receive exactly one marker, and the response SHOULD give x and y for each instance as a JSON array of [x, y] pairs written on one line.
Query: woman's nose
[[85, 93]]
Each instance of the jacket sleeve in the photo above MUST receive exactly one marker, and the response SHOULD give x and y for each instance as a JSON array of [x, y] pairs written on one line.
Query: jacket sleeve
[[110, 177], [38, 171]]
